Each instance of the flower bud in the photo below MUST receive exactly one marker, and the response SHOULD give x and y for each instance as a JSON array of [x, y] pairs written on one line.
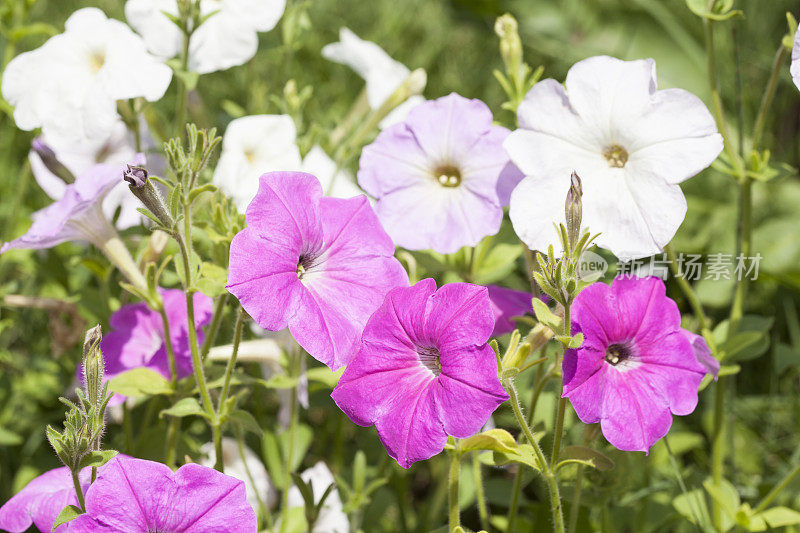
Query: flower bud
[[143, 189], [574, 209], [135, 176], [50, 161], [510, 44], [93, 366]]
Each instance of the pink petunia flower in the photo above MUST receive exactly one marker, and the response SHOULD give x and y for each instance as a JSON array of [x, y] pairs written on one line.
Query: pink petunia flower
[[319, 266], [137, 338], [40, 502], [442, 177], [703, 353], [139, 496], [636, 367], [424, 370], [507, 304]]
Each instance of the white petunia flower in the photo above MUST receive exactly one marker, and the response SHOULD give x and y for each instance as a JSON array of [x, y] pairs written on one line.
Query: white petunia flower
[[332, 518], [257, 144], [69, 86], [229, 37], [247, 468], [795, 68], [382, 74], [630, 144]]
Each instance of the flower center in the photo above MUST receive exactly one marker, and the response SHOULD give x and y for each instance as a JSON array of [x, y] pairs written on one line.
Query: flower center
[[306, 264], [448, 175], [96, 61], [617, 353], [616, 156], [429, 358]]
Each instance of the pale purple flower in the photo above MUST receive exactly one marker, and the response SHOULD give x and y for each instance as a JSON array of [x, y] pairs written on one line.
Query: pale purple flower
[[795, 67], [139, 496], [636, 367], [77, 215], [424, 370], [137, 338], [507, 304], [317, 265], [630, 143], [442, 177], [40, 502], [703, 353]]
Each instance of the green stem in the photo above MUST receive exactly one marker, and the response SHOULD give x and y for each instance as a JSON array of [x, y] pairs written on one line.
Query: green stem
[[213, 329], [682, 484], [769, 93], [771, 495], [483, 511], [455, 468], [289, 448], [718, 447], [78, 490], [575, 509], [171, 451], [173, 368], [562, 402], [127, 428], [237, 338]]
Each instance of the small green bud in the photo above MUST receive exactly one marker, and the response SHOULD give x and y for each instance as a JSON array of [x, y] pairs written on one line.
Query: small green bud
[[141, 186], [93, 366], [510, 44], [573, 209]]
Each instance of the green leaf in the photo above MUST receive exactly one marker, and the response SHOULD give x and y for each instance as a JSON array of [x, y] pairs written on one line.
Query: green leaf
[[70, 512], [725, 495], [497, 264], [323, 374], [524, 455], [498, 440], [280, 381], [546, 316], [212, 279], [587, 456], [780, 517], [98, 458], [750, 341], [693, 507], [9, 438], [185, 407], [246, 421], [139, 382]]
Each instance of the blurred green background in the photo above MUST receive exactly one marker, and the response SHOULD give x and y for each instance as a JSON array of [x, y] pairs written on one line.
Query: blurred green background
[[455, 42]]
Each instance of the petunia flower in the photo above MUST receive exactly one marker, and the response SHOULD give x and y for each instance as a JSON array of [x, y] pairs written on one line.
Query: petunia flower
[[139, 496], [703, 353], [256, 144], [630, 144], [795, 67], [137, 338], [382, 74], [227, 38], [245, 466], [40, 502], [507, 304], [319, 266], [69, 86], [331, 518], [425, 370], [636, 367], [441, 178]]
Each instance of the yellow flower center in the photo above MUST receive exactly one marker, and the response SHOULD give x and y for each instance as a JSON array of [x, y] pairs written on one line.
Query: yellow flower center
[[616, 156]]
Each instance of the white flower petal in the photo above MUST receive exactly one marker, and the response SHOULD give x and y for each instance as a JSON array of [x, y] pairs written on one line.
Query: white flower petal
[[338, 184], [795, 68], [162, 37], [262, 15], [537, 205], [248, 469], [332, 518], [399, 113], [220, 43]]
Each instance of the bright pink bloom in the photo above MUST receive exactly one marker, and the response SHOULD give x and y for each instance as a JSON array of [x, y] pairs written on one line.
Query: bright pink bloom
[[319, 266], [139, 496], [424, 370], [636, 367], [703, 353]]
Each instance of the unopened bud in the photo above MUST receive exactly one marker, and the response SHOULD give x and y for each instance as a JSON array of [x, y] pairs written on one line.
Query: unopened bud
[[574, 209], [135, 176], [50, 161], [93, 365], [510, 44], [143, 189]]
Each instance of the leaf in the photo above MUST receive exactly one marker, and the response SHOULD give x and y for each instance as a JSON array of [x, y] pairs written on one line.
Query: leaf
[[750, 341], [498, 440], [780, 517], [185, 407], [497, 264], [725, 495], [139, 382], [246, 421], [323, 374], [98, 458], [693, 507], [9, 438], [70, 512], [585, 456], [546, 316], [212, 279], [280, 381], [524, 455]]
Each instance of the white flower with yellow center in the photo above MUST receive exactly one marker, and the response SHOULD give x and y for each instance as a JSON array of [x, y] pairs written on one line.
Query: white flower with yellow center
[[630, 143]]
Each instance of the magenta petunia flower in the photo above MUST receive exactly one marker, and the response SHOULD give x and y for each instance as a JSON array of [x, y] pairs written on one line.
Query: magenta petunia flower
[[139, 496], [424, 370], [137, 336], [319, 266], [507, 304], [442, 177], [40, 502], [636, 367], [703, 353]]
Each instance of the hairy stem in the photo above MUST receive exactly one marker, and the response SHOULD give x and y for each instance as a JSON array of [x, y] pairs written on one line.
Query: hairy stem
[[78, 490]]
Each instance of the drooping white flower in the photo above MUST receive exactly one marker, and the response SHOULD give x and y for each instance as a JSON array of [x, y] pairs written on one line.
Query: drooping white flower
[[246, 467], [227, 38], [257, 144], [795, 68], [382, 74], [332, 518], [630, 143], [69, 86]]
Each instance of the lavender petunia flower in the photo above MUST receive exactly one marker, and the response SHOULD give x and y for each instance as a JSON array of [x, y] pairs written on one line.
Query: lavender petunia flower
[[319, 266], [137, 336], [135, 495], [507, 304], [636, 367], [795, 67], [703, 353], [424, 370], [40, 502], [442, 177]]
